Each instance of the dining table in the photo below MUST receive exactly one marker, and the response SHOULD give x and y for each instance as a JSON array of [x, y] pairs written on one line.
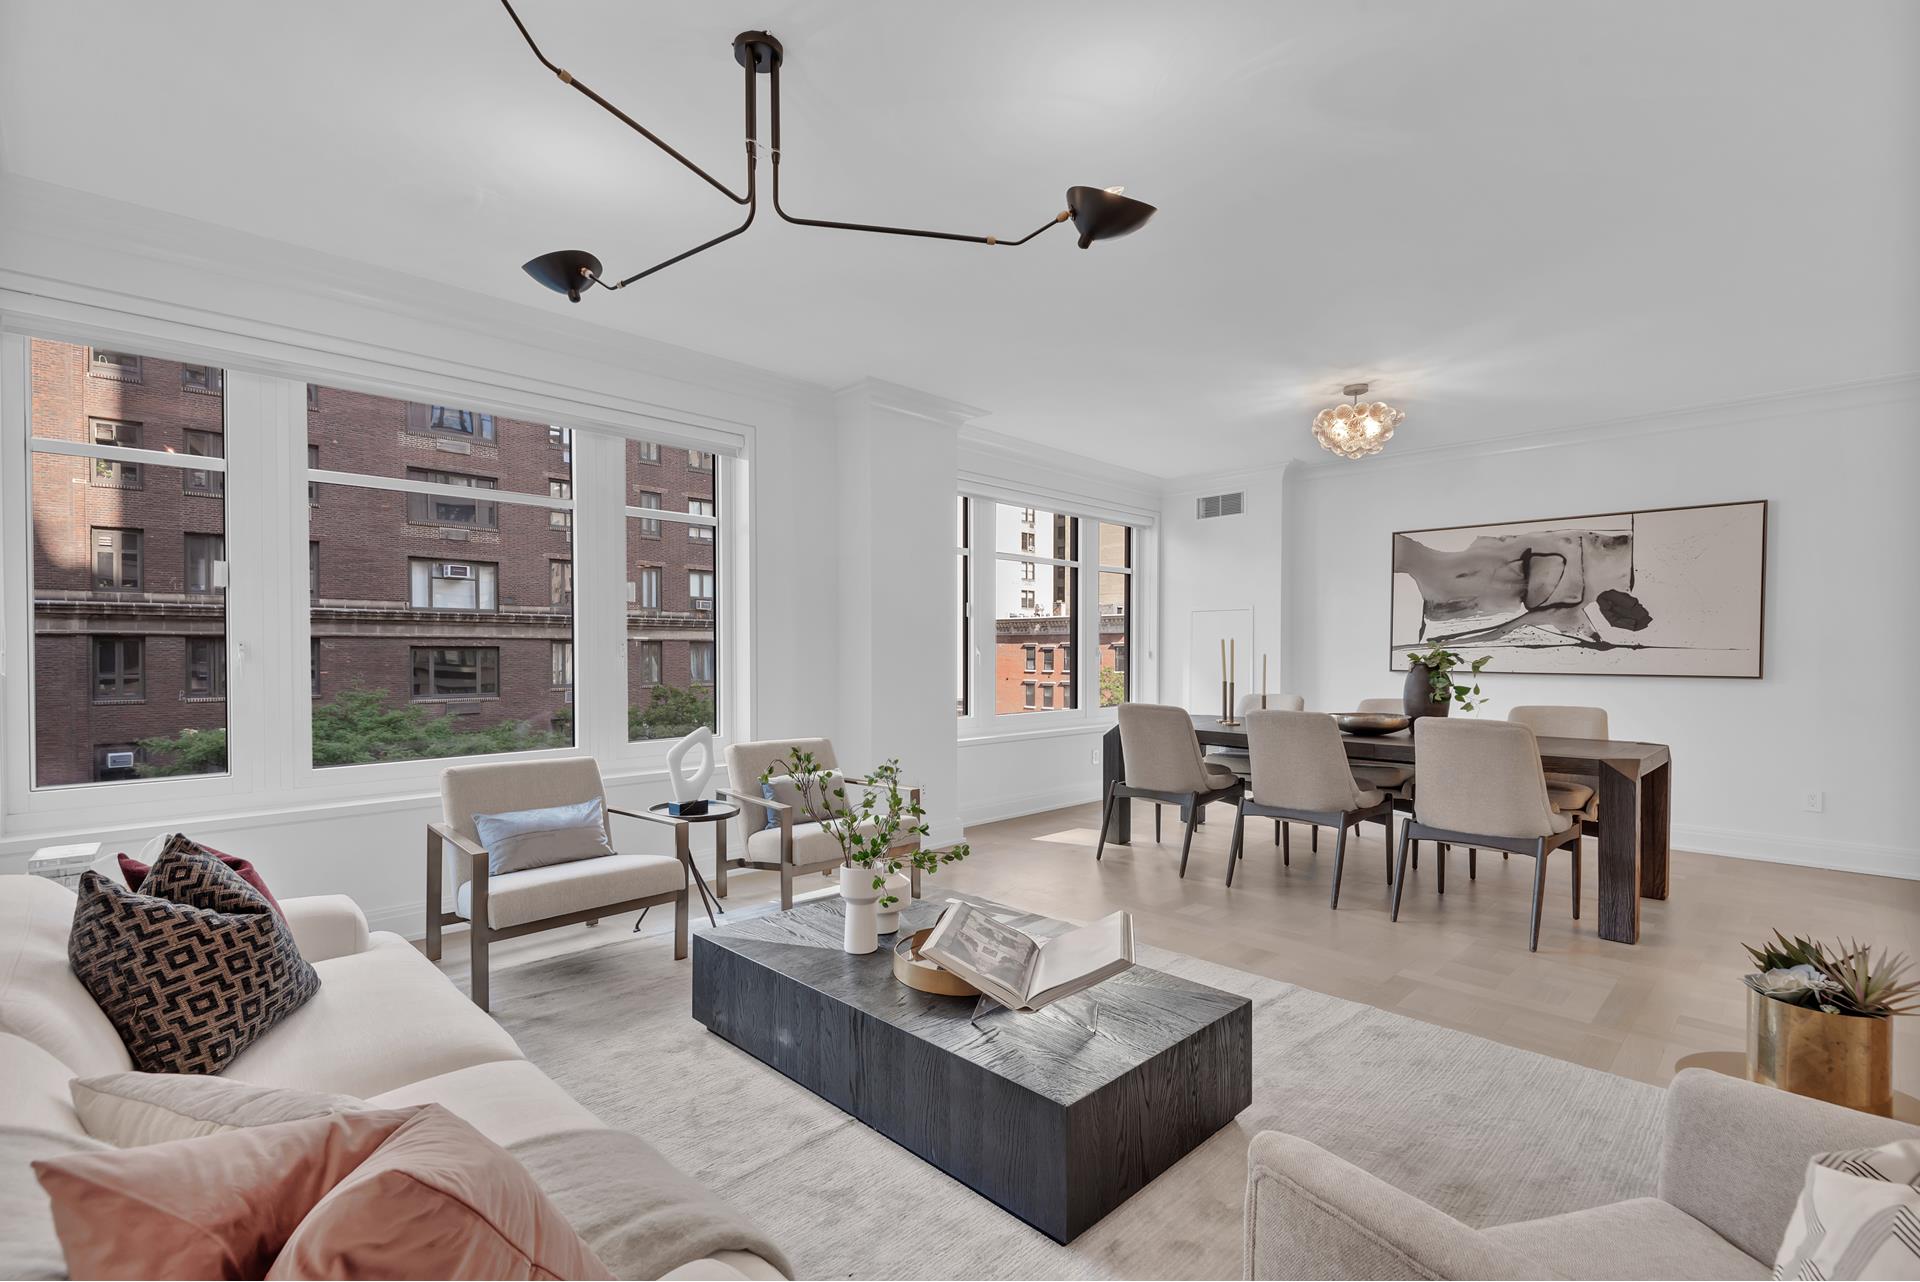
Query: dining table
[[1633, 782]]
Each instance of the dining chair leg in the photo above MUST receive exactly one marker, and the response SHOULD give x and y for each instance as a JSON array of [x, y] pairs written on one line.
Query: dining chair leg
[[1339, 862], [1574, 850], [1539, 893], [1400, 880], [1106, 822], [1440, 860], [1316, 839], [1286, 845], [1387, 848], [1279, 826], [1473, 864], [1186, 847], [1416, 855], [1156, 823], [1233, 848]]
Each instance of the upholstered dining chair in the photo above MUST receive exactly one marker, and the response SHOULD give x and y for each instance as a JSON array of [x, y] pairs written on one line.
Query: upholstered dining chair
[[1235, 759], [1300, 771], [1479, 783], [1570, 794], [779, 835], [508, 904], [1163, 764]]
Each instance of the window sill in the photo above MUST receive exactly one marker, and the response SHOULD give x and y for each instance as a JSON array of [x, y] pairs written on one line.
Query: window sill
[[1079, 726], [203, 698], [120, 703]]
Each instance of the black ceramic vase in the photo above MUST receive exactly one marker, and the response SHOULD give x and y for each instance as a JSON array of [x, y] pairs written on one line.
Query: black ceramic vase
[[1418, 697]]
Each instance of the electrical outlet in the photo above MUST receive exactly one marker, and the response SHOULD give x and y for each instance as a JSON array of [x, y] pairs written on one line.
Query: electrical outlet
[[1814, 803], [1093, 756]]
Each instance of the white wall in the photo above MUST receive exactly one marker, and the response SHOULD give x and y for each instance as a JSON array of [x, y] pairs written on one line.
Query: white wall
[[1835, 710], [1222, 563]]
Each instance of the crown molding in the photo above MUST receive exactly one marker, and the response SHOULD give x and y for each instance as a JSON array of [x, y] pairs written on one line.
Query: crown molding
[[1859, 394], [90, 228], [990, 455], [910, 401]]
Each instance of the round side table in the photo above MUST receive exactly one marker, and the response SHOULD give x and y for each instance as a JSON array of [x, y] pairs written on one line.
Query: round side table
[[718, 812]]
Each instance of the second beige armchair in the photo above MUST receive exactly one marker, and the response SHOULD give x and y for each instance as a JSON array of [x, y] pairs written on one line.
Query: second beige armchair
[[779, 836]]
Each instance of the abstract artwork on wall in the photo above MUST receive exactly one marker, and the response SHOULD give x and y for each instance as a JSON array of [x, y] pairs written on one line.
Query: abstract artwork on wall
[[1672, 592]]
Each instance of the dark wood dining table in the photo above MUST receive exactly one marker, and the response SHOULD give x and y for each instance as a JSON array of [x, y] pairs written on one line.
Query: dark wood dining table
[[1633, 781]]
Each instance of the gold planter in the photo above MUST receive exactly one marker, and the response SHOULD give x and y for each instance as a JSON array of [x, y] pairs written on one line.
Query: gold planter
[[1843, 1059]]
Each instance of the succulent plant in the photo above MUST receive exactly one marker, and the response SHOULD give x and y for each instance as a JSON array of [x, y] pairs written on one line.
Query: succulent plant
[[1850, 980]]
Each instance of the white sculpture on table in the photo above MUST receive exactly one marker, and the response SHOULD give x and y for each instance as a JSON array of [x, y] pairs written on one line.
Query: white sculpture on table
[[690, 788]]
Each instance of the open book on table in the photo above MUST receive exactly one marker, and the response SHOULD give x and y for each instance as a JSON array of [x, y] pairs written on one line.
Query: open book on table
[[1019, 971]]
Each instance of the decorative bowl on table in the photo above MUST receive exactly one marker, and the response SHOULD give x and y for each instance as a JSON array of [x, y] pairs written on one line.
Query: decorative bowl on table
[[915, 971], [1371, 722]]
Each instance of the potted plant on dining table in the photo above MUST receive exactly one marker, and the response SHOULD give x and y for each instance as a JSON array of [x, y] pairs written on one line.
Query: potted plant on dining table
[[879, 836], [1432, 688]]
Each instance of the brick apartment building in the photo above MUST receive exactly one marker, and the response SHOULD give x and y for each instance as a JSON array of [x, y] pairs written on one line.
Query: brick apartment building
[[1033, 652], [460, 608]]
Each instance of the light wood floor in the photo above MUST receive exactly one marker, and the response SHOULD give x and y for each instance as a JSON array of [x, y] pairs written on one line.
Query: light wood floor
[[1458, 960]]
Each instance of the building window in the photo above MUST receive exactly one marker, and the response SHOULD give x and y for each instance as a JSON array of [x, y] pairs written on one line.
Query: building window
[[116, 560], [1028, 571], [313, 570], [560, 583], [466, 424], [562, 664], [1032, 658], [700, 507], [119, 669], [1033, 624], [111, 472], [649, 528], [557, 519], [700, 662], [648, 452], [1026, 541], [124, 366], [1116, 613], [313, 463], [453, 585], [652, 667], [206, 668], [201, 378], [1046, 696], [700, 460], [439, 509], [468, 672], [206, 558], [313, 663], [313, 396], [204, 480], [647, 587], [1046, 659], [700, 589], [561, 438], [1026, 693], [1028, 600]]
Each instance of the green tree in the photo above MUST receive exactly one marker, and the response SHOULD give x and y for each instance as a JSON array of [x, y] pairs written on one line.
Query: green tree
[[191, 752], [1113, 687], [670, 714]]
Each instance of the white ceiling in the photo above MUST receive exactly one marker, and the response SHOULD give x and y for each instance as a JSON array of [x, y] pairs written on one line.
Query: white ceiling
[[1508, 216]]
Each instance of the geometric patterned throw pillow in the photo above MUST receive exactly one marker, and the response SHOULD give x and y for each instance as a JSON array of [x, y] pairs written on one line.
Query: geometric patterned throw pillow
[[1858, 1216], [191, 972]]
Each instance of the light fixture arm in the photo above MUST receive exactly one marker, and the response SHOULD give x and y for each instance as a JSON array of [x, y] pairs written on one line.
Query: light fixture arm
[[567, 78]]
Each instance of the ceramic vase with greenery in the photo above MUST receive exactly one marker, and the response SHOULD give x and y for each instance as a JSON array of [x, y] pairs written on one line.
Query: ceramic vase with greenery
[[1433, 688], [871, 831], [1819, 1019]]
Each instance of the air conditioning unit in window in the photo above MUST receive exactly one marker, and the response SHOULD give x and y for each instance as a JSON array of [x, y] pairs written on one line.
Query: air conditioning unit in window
[[703, 603], [119, 761], [452, 570]]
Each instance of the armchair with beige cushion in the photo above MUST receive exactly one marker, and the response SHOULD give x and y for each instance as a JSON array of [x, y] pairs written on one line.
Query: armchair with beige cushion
[[780, 836], [507, 904], [1733, 1158]]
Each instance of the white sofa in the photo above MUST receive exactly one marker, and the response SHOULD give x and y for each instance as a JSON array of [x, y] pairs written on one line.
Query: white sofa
[[386, 1027]]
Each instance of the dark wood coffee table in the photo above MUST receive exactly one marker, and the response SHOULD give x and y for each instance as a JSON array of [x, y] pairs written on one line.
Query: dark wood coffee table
[[1056, 1123]]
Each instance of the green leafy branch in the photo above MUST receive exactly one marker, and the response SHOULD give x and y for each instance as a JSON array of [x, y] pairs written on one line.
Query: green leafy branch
[[1440, 664], [870, 829]]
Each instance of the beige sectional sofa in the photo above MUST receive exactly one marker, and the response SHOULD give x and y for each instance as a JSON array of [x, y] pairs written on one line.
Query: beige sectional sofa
[[1733, 1158], [386, 1027]]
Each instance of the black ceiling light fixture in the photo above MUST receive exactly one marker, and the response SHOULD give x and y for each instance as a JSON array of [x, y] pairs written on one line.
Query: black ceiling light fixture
[[1098, 213]]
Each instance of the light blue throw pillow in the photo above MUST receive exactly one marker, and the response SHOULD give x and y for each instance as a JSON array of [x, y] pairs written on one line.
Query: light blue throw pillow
[[523, 839]]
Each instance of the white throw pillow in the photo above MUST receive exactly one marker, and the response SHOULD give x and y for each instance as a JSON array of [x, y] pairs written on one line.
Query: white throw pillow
[[1858, 1216], [129, 1110]]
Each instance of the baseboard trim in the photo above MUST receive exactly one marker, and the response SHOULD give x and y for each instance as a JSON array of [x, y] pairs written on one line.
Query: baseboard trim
[[1842, 856], [995, 809]]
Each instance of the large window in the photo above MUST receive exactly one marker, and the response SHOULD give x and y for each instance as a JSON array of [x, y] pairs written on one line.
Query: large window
[[673, 596], [127, 570], [438, 612], [1059, 584]]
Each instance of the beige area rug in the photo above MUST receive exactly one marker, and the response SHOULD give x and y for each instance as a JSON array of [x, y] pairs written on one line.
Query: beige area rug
[[1485, 1132]]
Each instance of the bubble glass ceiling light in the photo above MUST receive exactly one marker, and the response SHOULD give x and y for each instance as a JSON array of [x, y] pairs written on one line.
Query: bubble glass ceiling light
[[1356, 430]]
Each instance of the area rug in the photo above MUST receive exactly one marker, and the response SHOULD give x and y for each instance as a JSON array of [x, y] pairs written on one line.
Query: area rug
[[1486, 1133]]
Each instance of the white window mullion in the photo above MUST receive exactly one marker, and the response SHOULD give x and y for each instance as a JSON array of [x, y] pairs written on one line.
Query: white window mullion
[[600, 595]]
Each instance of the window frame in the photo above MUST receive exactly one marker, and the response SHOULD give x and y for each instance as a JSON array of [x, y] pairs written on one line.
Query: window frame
[[270, 383], [1073, 681]]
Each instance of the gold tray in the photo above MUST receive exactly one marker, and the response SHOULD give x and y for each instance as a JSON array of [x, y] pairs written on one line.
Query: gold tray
[[915, 971]]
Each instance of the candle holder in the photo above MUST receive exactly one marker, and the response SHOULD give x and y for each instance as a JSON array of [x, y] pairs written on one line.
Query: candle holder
[[1226, 704]]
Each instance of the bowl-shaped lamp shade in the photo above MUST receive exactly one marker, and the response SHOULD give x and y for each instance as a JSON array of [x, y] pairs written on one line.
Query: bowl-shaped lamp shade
[[565, 271], [1103, 215]]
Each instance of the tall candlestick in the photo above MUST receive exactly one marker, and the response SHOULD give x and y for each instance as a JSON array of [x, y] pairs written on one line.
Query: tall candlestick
[[1263, 682]]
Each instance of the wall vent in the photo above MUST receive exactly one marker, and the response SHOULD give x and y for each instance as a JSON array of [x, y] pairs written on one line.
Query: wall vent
[[1213, 505]]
